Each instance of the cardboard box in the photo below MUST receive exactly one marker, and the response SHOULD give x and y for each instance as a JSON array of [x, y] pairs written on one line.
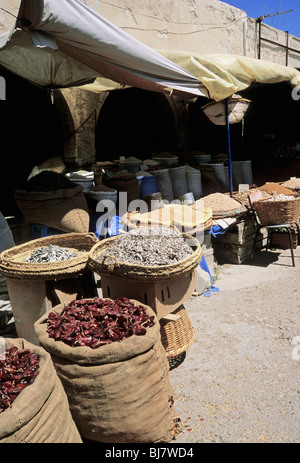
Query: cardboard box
[[163, 297]]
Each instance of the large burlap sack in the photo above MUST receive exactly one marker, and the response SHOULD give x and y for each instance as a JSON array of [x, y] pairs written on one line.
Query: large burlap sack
[[124, 182], [40, 413], [64, 209], [119, 392]]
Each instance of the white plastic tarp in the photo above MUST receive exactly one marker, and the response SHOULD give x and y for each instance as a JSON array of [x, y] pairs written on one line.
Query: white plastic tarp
[[79, 33], [65, 43]]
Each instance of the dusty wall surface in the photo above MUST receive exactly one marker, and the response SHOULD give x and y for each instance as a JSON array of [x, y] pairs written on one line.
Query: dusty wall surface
[[199, 26]]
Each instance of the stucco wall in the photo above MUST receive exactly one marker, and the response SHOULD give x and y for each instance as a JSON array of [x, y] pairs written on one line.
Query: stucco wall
[[199, 26]]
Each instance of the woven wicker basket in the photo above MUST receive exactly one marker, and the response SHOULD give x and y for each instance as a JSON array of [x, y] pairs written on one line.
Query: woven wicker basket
[[237, 108], [110, 266], [178, 335], [278, 212], [13, 266]]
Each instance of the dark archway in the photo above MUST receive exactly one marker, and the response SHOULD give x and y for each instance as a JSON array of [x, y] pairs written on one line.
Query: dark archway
[[30, 134], [134, 122]]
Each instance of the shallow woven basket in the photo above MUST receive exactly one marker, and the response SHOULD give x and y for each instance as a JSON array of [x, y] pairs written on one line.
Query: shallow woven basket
[[13, 266], [112, 267], [278, 212], [178, 335], [237, 108]]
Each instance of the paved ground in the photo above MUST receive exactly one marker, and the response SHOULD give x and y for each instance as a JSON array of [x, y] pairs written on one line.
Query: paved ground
[[239, 382]]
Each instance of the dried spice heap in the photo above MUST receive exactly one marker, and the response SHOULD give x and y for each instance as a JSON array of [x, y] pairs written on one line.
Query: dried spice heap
[[51, 253], [150, 247], [18, 369], [48, 180], [97, 322], [220, 202]]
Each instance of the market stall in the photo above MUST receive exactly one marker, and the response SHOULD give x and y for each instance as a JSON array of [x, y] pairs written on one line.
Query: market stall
[[143, 226]]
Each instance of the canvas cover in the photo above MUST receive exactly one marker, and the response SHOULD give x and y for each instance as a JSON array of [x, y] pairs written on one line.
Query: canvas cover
[[223, 75], [70, 29], [66, 43]]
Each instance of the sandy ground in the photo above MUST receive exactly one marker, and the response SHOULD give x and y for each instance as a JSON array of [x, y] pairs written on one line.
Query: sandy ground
[[239, 382]]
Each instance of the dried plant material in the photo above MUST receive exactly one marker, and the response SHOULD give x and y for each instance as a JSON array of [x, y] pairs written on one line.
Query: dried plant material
[[272, 187], [97, 322], [243, 196], [218, 202], [18, 369]]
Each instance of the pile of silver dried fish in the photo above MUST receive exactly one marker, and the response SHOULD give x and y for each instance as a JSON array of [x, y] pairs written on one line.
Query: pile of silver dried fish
[[51, 253], [152, 247]]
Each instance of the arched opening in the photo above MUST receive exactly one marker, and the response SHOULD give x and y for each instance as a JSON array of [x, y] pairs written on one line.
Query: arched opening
[[134, 122], [31, 133]]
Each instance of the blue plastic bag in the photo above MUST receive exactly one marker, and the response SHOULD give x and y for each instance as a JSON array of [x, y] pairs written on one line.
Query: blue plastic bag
[[204, 266]]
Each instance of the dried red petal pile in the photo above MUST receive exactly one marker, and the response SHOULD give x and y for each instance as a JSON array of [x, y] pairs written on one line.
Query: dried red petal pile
[[96, 322], [18, 369]]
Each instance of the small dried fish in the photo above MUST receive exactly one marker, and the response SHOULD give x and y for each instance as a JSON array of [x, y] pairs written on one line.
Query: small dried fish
[[51, 253], [151, 247]]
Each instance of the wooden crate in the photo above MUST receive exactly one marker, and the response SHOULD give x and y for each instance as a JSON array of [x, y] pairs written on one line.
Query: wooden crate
[[235, 246]]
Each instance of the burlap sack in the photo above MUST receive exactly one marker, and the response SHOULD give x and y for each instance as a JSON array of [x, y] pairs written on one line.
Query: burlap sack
[[40, 414], [120, 392], [124, 182], [65, 209]]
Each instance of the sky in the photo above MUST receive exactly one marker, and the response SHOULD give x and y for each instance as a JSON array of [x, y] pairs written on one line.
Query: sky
[[286, 22]]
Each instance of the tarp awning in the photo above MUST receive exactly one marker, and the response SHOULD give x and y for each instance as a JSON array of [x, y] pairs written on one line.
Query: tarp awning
[[65, 43], [71, 33], [222, 75]]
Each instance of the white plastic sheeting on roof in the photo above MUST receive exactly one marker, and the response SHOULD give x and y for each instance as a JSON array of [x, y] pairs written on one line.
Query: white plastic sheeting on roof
[[104, 50]]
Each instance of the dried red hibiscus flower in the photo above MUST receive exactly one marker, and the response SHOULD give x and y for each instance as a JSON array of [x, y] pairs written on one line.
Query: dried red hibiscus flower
[[18, 369], [96, 322]]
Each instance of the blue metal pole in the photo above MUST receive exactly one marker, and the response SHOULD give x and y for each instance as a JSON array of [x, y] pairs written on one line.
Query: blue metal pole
[[229, 147]]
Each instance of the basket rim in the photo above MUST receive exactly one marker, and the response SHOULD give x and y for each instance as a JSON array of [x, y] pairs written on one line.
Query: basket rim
[[10, 266], [143, 270], [230, 100]]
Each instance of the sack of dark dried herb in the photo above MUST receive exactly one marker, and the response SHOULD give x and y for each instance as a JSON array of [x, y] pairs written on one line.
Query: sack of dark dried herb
[[63, 209], [117, 384], [39, 412]]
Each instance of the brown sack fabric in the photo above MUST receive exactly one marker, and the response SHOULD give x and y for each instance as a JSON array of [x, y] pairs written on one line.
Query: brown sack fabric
[[64, 209], [119, 392], [40, 414]]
